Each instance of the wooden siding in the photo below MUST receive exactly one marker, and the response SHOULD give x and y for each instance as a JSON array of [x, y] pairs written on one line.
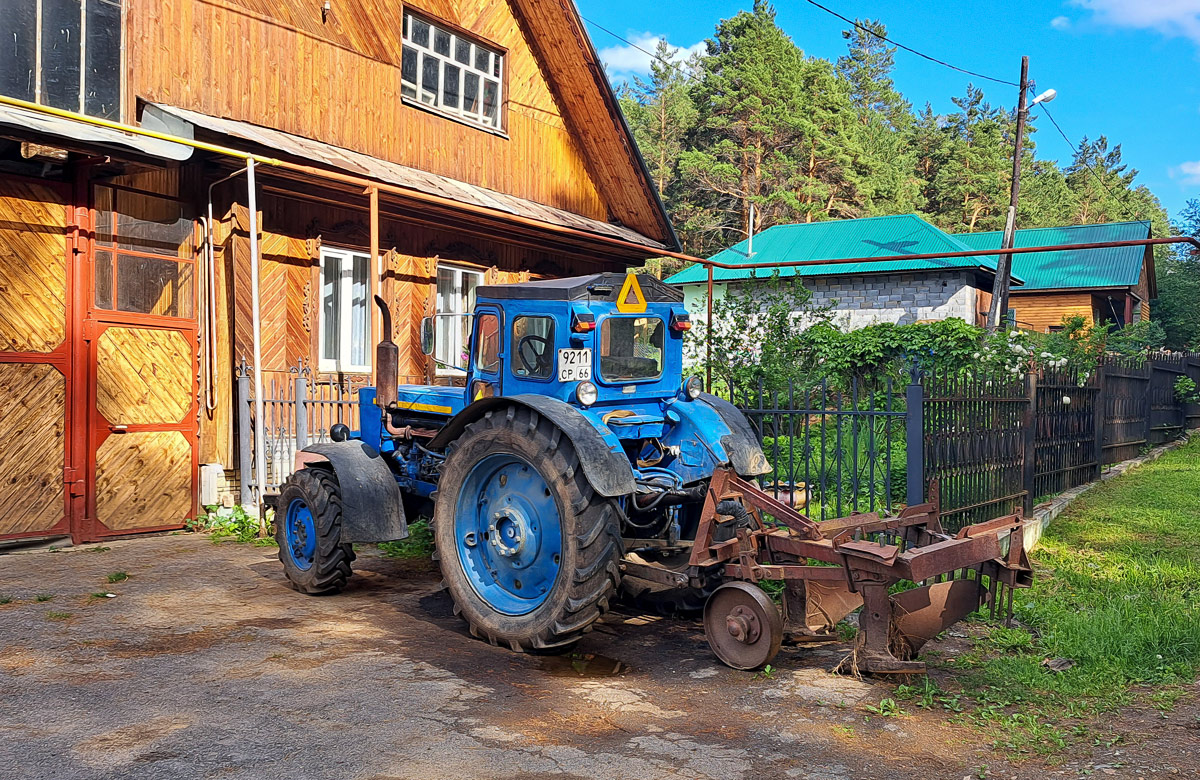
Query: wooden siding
[[1041, 311], [143, 479], [33, 443], [33, 268], [338, 82]]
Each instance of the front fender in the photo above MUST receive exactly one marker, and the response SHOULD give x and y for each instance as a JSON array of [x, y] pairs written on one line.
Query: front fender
[[604, 462], [371, 507]]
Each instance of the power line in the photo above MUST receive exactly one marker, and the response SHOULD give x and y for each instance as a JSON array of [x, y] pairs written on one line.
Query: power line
[[683, 71], [1075, 147], [909, 49]]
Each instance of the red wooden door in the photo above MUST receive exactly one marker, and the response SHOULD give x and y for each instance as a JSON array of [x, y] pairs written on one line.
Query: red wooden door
[[141, 364], [36, 239]]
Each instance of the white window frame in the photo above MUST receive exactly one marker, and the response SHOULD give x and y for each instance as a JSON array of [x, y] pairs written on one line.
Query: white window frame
[[459, 274], [345, 259], [422, 98]]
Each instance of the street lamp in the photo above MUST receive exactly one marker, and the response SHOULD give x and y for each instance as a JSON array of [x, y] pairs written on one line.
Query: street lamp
[[999, 305]]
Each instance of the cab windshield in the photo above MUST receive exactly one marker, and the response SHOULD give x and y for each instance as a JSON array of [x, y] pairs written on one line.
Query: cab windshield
[[631, 348]]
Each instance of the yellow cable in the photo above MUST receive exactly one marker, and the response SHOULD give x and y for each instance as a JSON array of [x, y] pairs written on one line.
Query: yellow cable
[[89, 120]]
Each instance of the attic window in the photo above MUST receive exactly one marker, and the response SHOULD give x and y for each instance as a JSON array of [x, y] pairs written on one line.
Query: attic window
[[451, 74]]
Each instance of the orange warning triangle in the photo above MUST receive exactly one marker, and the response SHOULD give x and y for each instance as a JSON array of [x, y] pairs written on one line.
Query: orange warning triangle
[[630, 300]]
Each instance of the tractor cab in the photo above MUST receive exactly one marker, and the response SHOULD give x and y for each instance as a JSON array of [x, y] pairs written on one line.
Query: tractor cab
[[590, 341]]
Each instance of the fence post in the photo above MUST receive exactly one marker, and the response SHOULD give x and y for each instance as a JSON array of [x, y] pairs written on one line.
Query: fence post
[[301, 395], [245, 438], [1148, 403], [1099, 411], [1029, 456], [914, 445]]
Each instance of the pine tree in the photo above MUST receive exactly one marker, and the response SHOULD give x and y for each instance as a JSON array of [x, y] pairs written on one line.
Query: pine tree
[[661, 113], [867, 66]]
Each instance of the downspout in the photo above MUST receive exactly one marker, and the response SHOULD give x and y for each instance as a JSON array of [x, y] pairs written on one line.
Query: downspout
[[260, 437]]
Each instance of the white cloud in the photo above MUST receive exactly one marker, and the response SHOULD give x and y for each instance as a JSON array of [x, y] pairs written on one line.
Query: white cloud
[[1189, 171], [1060, 23], [1169, 17], [633, 59]]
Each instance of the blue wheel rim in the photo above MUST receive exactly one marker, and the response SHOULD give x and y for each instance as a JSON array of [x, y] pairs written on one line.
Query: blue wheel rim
[[508, 532], [300, 534]]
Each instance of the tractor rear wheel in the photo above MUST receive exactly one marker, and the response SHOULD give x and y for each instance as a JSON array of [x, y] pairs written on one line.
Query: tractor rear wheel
[[308, 528], [529, 552]]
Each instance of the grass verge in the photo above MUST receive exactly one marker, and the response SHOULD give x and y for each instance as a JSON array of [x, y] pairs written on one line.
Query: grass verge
[[1117, 594]]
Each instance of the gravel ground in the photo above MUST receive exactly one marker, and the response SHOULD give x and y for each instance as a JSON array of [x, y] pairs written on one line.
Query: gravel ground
[[205, 665]]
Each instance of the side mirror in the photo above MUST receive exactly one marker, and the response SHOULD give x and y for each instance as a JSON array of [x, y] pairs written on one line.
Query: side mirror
[[427, 335]]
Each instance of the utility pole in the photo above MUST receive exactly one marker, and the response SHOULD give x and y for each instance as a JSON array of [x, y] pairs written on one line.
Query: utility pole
[[999, 308]]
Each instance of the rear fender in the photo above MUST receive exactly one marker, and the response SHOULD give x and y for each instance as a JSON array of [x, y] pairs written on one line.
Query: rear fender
[[371, 507], [604, 462]]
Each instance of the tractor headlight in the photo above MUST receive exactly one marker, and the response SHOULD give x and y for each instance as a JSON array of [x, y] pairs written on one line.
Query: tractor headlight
[[692, 388], [586, 393]]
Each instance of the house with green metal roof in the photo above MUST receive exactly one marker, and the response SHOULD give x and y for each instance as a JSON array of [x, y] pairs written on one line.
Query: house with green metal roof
[[862, 292], [1113, 285]]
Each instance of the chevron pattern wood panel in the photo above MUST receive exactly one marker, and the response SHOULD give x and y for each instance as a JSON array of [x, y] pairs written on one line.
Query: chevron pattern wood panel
[[143, 480], [143, 375], [32, 440], [33, 267], [411, 291]]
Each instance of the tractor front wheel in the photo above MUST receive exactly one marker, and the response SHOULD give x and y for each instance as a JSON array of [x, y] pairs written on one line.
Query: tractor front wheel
[[529, 552], [308, 528]]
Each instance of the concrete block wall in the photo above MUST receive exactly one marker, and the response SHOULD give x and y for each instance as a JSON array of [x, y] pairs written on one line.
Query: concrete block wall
[[859, 301]]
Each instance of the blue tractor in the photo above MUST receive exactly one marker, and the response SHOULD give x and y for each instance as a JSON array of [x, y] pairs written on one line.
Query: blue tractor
[[576, 463]]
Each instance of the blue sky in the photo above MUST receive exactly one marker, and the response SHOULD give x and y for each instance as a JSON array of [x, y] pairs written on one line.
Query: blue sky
[[1128, 69]]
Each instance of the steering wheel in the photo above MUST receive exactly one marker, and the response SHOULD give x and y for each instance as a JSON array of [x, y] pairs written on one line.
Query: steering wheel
[[539, 350]]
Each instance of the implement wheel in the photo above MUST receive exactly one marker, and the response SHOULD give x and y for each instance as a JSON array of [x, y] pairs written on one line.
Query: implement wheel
[[743, 626], [308, 528], [529, 552]]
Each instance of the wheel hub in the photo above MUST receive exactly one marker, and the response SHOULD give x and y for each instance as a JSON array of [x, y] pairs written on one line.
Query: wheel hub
[[508, 532], [743, 625]]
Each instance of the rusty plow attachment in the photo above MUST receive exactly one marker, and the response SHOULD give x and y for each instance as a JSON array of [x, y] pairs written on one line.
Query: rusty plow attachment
[[831, 568]]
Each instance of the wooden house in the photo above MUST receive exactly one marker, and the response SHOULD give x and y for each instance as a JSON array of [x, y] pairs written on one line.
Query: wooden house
[[1109, 285], [411, 150]]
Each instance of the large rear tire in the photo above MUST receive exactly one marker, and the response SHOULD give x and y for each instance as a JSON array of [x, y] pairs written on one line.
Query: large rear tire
[[308, 528], [529, 552]]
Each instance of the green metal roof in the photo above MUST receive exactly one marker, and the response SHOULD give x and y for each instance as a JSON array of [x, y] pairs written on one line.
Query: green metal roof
[[1081, 268], [838, 239]]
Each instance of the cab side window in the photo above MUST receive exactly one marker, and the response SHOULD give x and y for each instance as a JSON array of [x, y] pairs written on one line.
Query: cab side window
[[533, 347], [487, 344]]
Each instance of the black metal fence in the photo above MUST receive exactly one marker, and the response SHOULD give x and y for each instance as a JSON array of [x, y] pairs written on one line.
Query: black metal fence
[[993, 442], [832, 451]]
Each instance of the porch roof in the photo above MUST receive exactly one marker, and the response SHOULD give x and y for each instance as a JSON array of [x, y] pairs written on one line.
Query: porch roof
[[157, 116], [71, 131]]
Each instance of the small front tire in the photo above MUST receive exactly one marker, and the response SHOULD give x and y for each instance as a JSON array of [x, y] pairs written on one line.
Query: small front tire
[[308, 529]]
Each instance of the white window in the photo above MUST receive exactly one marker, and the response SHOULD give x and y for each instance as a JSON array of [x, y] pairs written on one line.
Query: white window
[[345, 311], [455, 303], [452, 74]]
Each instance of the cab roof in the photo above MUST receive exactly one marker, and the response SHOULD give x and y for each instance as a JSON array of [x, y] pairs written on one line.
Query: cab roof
[[603, 287]]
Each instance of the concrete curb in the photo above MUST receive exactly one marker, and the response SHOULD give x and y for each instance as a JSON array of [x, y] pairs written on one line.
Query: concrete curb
[[1044, 513]]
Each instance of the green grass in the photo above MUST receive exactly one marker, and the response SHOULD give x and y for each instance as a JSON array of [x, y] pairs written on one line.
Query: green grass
[[58, 615], [117, 576], [419, 543], [6, 599], [1117, 591], [43, 597]]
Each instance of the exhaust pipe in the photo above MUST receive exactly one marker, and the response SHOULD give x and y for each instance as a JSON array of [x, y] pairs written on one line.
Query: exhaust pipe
[[387, 361]]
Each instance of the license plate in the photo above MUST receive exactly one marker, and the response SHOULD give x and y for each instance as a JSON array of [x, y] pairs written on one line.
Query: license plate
[[574, 365]]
